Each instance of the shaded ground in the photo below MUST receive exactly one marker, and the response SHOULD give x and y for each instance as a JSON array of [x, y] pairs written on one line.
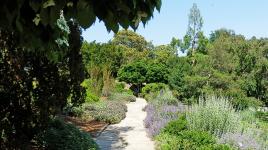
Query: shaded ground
[[93, 127], [130, 133]]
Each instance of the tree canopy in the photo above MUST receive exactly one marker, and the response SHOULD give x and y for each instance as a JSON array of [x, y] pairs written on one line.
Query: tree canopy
[[41, 65], [39, 28]]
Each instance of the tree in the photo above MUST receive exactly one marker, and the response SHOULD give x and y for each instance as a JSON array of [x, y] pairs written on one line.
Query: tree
[[40, 61], [102, 55], [156, 73], [220, 50], [35, 21], [34, 89], [131, 39], [195, 25], [134, 73], [133, 45], [202, 43], [221, 32]]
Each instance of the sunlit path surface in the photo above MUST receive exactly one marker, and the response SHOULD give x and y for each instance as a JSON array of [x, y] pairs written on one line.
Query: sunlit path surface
[[130, 133]]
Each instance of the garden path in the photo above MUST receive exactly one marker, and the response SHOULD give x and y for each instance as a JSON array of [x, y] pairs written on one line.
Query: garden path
[[130, 133]]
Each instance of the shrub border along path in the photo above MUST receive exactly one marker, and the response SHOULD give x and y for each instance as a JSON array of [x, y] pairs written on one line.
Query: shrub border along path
[[130, 133]]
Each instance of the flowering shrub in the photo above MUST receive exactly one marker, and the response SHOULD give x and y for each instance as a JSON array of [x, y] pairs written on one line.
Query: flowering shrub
[[240, 141], [159, 115], [213, 114], [108, 111]]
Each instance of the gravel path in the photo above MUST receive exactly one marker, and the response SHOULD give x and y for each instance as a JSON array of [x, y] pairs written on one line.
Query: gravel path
[[130, 133]]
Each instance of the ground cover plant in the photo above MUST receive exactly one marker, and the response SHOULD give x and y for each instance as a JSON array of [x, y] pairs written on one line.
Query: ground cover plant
[[159, 112], [60, 135], [108, 111], [217, 124]]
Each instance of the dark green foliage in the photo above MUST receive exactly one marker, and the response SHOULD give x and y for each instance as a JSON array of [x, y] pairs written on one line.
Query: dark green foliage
[[64, 136], [33, 88], [156, 73], [102, 55], [176, 136], [262, 115], [153, 88], [233, 67], [130, 39], [73, 111], [199, 138], [35, 21], [40, 61], [176, 77], [133, 73], [189, 140], [176, 126]]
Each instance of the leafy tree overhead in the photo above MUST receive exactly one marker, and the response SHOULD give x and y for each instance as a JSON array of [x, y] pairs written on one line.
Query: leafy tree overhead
[[40, 59], [35, 22], [34, 89]]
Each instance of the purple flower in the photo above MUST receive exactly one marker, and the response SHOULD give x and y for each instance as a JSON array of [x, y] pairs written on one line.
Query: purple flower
[[159, 115]]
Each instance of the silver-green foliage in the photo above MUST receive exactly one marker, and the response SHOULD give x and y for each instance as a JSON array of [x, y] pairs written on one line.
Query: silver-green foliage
[[213, 114], [166, 97], [122, 97]]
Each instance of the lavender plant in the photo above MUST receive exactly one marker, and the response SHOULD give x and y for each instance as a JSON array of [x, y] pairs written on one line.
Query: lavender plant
[[160, 112], [213, 114], [240, 141], [158, 116]]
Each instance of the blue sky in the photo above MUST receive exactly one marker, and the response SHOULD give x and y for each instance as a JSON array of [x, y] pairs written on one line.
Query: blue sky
[[246, 17]]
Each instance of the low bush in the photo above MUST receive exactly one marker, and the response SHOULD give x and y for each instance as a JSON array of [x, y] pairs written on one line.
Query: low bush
[[213, 114], [176, 136], [91, 93], [60, 136], [262, 116], [240, 101], [240, 141], [120, 88], [166, 97], [108, 111], [90, 97], [153, 88], [73, 111], [189, 140], [159, 115], [122, 97], [174, 127], [245, 102]]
